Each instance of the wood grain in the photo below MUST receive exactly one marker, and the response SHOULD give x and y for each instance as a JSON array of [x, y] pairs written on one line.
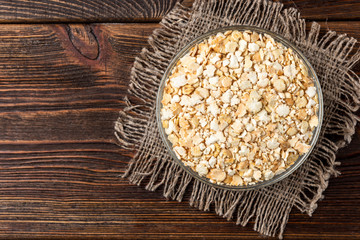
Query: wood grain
[[61, 89], [18, 11], [329, 10]]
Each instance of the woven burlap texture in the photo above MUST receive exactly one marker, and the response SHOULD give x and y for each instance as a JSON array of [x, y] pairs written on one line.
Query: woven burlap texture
[[332, 56]]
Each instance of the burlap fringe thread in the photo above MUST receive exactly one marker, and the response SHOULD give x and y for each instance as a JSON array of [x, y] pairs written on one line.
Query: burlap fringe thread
[[136, 127]]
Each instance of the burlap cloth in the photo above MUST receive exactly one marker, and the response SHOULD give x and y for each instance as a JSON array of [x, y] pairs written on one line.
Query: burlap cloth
[[332, 56]]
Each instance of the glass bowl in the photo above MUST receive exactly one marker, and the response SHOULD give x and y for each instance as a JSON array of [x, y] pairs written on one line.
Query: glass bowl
[[311, 73]]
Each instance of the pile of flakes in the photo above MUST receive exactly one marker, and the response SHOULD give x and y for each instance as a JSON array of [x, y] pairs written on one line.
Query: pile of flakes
[[239, 108]]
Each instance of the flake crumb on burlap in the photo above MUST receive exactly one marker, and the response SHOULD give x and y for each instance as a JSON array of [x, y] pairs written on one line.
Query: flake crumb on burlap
[[333, 58]]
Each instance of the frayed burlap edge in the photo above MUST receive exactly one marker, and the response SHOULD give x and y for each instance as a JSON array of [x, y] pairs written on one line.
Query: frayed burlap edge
[[330, 55]]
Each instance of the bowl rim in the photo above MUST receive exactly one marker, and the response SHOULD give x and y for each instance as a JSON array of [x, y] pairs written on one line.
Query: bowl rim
[[311, 73]]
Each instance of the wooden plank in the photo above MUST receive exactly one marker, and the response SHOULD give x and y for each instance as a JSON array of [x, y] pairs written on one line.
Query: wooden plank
[[329, 10], [61, 89], [18, 11]]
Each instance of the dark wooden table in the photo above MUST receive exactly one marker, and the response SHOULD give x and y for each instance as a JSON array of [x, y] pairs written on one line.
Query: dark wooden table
[[64, 68]]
